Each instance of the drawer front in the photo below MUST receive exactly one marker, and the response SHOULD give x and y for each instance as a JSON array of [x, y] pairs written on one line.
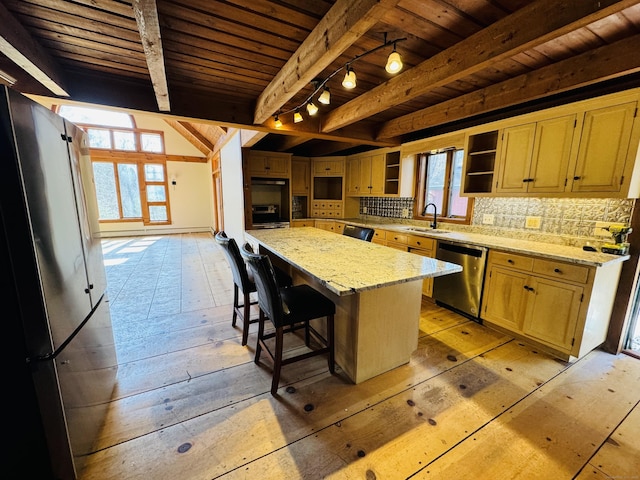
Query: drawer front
[[511, 260], [379, 235], [560, 270], [397, 238], [421, 242]]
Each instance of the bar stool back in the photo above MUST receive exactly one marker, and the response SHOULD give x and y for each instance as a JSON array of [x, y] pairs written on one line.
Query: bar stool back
[[362, 233]]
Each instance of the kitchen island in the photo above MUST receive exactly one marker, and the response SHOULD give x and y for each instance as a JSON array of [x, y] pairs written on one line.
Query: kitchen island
[[377, 292]]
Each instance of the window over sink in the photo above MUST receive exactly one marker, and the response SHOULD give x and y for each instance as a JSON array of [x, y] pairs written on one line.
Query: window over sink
[[439, 179]]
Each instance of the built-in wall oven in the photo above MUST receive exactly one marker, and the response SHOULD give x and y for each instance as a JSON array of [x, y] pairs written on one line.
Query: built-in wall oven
[[461, 291], [270, 205]]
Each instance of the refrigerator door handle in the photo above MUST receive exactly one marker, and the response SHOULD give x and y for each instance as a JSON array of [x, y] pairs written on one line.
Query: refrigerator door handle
[[54, 354]]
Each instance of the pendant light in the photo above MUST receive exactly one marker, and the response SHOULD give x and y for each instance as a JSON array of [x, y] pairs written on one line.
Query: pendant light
[[325, 96], [297, 117], [349, 81], [277, 122], [394, 62], [311, 108]]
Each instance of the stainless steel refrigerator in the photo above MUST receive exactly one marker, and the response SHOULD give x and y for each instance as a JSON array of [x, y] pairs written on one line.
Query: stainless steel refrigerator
[[61, 364]]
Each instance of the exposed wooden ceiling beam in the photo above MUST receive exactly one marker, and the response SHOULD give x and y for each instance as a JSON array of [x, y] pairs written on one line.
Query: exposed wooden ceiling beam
[[532, 25], [23, 50], [208, 142], [609, 61], [204, 147], [344, 23], [146, 13], [249, 138]]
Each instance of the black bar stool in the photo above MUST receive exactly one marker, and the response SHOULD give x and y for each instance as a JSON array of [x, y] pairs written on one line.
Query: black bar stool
[[363, 233], [288, 307], [242, 282]]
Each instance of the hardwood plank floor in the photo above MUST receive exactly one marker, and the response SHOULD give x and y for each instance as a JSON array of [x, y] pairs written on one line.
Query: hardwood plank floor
[[472, 403]]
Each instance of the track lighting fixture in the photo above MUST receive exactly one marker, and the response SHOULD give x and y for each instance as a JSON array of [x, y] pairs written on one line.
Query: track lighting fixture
[[325, 96], [349, 81], [394, 65], [311, 108], [394, 62]]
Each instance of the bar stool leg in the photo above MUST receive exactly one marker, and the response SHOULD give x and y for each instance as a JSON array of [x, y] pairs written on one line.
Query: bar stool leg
[[277, 361], [235, 305], [260, 335], [247, 313]]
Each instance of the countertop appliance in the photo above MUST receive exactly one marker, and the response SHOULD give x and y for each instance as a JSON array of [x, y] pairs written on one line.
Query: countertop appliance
[[267, 216], [57, 326], [461, 291]]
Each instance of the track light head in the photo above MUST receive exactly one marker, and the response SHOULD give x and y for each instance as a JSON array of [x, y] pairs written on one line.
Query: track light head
[[349, 81], [325, 96], [311, 108], [394, 62]]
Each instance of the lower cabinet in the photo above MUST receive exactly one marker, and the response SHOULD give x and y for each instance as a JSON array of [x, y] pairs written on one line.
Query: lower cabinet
[[330, 226], [427, 248], [560, 305]]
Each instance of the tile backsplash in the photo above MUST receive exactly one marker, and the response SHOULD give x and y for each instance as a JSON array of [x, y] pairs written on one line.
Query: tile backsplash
[[559, 216], [569, 221]]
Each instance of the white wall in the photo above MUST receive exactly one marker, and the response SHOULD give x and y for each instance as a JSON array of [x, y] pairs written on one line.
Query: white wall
[[232, 188]]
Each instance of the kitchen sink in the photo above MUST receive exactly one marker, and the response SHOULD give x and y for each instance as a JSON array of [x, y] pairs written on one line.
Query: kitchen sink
[[427, 230]]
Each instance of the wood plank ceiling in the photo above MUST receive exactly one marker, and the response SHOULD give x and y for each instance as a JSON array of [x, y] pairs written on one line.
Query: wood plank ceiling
[[237, 63]]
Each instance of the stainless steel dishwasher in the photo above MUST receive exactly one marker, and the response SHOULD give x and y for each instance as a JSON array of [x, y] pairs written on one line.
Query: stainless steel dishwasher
[[461, 291]]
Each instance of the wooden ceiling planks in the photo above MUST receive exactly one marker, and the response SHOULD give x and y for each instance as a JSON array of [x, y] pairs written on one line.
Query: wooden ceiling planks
[[225, 53]]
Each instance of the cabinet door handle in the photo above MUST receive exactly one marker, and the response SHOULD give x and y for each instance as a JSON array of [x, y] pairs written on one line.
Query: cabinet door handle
[[557, 270], [528, 288], [510, 261], [526, 180], [417, 243], [576, 178]]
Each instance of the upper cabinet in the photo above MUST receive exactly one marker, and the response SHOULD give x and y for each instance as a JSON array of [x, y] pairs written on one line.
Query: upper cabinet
[[268, 164], [328, 167], [480, 162], [604, 147], [373, 174], [534, 157], [300, 176], [590, 151]]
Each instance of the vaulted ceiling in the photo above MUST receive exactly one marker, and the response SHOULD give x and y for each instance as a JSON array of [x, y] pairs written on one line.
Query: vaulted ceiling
[[235, 64]]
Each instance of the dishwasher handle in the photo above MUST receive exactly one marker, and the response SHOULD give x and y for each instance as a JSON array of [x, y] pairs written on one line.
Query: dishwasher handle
[[472, 251]]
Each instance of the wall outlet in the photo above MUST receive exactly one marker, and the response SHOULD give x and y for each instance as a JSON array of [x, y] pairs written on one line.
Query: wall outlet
[[405, 213], [487, 219], [532, 222], [599, 231]]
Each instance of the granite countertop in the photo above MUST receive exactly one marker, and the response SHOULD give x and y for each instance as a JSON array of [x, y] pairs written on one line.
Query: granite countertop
[[528, 247], [346, 265]]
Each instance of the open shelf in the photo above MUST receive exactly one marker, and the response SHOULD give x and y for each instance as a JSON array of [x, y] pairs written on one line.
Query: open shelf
[[480, 162]]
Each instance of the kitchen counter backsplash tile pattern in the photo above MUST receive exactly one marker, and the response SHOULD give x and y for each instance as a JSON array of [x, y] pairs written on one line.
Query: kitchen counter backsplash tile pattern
[[565, 221]]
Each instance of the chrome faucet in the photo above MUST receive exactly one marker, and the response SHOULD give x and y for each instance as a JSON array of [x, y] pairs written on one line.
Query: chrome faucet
[[434, 225]]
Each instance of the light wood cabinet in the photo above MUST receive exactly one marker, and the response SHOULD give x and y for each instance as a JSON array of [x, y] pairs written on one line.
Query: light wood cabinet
[[479, 163], [559, 305], [604, 148], [300, 177], [330, 226], [366, 175], [427, 248], [327, 208], [268, 164], [586, 149], [534, 157], [302, 223], [328, 167]]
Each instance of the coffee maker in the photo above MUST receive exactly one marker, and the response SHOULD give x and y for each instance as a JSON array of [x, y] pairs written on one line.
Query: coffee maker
[[619, 234]]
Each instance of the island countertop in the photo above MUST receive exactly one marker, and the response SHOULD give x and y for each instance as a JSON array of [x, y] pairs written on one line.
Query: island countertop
[[346, 265]]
